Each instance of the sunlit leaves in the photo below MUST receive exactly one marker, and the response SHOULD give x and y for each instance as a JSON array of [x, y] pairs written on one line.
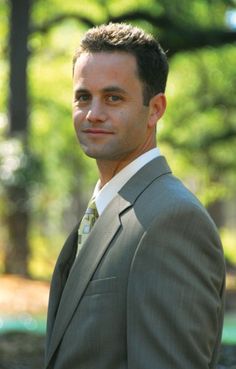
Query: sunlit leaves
[[200, 122]]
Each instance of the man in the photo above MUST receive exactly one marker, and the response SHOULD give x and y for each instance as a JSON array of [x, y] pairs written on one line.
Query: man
[[143, 289]]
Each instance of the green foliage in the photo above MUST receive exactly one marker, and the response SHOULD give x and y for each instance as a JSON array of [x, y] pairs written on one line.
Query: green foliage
[[17, 166], [43, 254], [228, 239], [199, 127]]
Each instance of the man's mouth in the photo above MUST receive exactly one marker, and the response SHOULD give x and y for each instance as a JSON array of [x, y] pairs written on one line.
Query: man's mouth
[[97, 131]]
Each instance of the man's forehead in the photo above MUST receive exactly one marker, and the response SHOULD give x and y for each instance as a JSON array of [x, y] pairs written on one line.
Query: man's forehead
[[103, 70], [106, 58]]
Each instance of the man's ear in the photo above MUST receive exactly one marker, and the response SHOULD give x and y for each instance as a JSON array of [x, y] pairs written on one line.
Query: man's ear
[[157, 107]]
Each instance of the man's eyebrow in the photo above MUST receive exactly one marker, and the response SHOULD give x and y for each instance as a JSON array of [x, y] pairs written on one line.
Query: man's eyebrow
[[104, 90], [114, 89], [81, 90]]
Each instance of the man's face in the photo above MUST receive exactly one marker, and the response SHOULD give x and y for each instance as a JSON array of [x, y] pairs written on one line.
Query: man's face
[[110, 119]]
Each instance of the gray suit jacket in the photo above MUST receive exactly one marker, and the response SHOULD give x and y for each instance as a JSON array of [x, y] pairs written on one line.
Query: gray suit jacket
[[146, 291]]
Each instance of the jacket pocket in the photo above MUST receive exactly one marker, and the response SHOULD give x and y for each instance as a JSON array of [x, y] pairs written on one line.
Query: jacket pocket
[[101, 286]]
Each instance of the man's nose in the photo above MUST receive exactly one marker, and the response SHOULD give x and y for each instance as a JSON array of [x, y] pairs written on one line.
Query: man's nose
[[96, 112]]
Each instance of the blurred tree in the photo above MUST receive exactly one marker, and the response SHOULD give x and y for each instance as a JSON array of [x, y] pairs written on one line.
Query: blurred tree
[[198, 103], [16, 259], [179, 26]]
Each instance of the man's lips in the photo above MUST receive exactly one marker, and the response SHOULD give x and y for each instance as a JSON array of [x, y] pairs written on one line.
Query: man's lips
[[97, 131]]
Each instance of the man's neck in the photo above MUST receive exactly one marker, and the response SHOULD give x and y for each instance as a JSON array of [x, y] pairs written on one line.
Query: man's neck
[[109, 168]]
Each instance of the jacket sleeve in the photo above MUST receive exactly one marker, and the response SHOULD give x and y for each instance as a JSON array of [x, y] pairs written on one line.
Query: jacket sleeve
[[175, 294]]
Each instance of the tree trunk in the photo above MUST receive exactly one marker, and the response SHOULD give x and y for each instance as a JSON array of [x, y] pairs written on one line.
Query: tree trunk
[[17, 251]]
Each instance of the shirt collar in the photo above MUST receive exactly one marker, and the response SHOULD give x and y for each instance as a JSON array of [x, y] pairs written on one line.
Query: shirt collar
[[104, 195]]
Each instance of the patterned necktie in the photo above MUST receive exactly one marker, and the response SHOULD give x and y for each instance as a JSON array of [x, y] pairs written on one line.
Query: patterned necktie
[[87, 222]]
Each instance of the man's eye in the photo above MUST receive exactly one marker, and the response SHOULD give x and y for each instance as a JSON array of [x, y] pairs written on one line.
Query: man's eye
[[82, 98], [113, 98]]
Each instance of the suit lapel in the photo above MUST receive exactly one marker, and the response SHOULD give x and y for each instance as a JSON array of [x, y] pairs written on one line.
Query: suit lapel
[[90, 255], [92, 251], [60, 275]]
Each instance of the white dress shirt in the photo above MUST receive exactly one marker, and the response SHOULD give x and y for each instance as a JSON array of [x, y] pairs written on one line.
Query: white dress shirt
[[104, 195]]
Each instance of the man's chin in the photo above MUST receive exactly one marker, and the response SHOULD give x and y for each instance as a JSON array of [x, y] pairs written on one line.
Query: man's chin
[[101, 155], [106, 154], [93, 154]]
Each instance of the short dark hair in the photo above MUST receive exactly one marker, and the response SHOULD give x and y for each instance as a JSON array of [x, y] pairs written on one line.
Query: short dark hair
[[151, 59]]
